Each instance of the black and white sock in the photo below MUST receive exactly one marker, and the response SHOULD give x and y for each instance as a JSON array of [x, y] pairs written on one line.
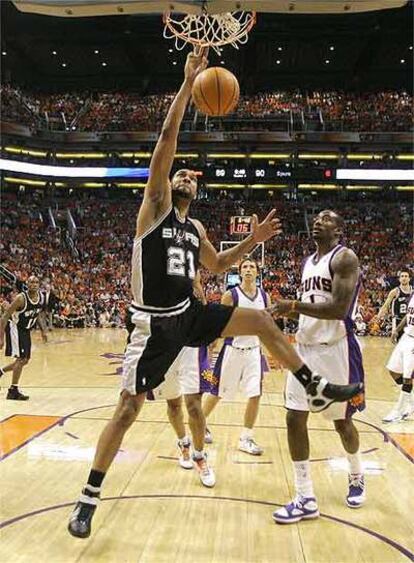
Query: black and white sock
[[303, 375], [90, 495], [92, 490]]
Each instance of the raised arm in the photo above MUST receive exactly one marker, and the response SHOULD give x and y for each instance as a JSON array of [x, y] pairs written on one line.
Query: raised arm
[[17, 305], [157, 194], [387, 304], [345, 267], [218, 262]]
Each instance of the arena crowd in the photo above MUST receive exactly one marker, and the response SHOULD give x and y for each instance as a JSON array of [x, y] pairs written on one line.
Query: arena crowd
[[123, 111], [88, 274]]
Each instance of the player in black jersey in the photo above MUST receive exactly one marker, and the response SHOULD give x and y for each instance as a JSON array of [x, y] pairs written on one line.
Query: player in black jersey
[[397, 301], [164, 315], [16, 324]]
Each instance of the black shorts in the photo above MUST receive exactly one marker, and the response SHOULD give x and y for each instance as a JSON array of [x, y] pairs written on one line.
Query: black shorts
[[18, 341], [155, 341]]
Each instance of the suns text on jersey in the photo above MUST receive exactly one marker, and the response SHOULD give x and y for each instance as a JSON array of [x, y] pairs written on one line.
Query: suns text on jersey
[[317, 282]]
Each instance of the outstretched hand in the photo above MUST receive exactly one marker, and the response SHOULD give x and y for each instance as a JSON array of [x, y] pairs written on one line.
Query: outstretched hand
[[267, 229], [196, 62], [281, 308]]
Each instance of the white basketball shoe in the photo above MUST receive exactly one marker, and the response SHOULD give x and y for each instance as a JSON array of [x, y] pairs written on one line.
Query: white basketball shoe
[[402, 410]]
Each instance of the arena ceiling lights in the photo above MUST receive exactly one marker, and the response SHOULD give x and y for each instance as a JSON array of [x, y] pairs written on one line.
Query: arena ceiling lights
[[87, 8], [71, 171], [380, 174]]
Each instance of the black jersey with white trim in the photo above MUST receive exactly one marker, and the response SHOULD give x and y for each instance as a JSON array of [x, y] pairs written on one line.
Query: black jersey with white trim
[[400, 303], [165, 260], [27, 317]]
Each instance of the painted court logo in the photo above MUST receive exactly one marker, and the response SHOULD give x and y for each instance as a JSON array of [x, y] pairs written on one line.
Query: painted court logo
[[358, 401], [118, 362]]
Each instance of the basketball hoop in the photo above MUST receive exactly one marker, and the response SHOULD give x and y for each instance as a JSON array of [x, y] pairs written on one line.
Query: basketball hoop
[[209, 30]]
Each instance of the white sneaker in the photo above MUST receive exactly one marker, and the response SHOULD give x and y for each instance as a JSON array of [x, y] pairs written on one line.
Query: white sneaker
[[205, 472], [356, 491], [301, 508], [185, 460], [402, 410], [249, 446]]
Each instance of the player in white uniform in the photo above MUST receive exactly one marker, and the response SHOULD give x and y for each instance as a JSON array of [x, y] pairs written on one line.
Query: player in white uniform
[[239, 364], [401, 366], [190, 375], [325, 337]]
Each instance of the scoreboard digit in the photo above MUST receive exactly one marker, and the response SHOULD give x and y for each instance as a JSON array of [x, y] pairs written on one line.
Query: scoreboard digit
[[240, 225]]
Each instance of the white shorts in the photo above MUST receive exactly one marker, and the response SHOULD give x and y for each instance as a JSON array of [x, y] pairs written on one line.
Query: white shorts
[[238, 369], [189, 374], [402, 358], [340, 363]]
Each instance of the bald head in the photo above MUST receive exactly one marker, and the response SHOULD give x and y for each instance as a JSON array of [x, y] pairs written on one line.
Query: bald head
[[328, 225]]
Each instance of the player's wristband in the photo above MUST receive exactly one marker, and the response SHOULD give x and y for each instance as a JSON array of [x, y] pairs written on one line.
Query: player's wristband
[[293, 307]]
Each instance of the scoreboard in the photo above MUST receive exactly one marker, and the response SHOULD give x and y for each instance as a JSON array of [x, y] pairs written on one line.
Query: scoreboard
[[268, 173], [252, 174], [240, 225]]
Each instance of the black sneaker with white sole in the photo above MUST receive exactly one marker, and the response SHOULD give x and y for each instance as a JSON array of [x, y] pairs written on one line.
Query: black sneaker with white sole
[[14, 394], [81, 519], [321, 393]]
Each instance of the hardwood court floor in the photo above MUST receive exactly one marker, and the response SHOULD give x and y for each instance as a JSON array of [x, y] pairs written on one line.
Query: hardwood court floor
[[153, 510]]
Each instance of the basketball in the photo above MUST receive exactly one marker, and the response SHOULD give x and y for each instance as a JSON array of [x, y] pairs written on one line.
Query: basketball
[[216, 91]]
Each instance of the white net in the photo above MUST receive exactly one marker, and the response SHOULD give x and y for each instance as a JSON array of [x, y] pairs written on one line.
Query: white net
[[209, 30]]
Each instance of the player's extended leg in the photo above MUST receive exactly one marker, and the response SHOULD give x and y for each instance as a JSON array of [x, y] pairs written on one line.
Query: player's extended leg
[[9, 367], [17, 369], [304, 505], [405, 404], [108, 445], [209, 404], [350, 440], [176, 418], [13, 393], [197, 423], [247, 443], [401, 367], [320, 393]]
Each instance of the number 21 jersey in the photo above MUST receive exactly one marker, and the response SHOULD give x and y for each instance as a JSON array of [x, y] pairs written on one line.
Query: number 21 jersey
[[164, 263]]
